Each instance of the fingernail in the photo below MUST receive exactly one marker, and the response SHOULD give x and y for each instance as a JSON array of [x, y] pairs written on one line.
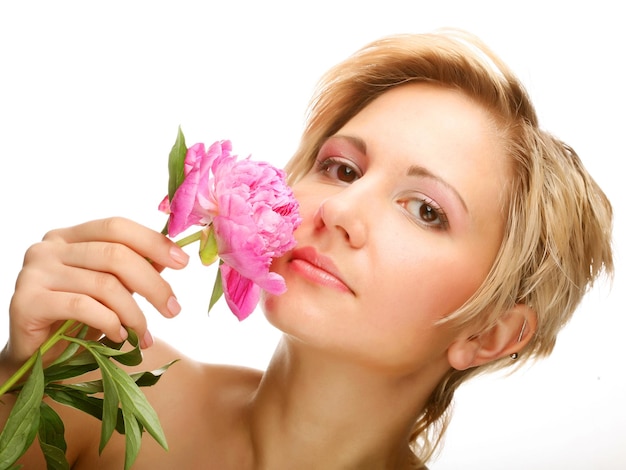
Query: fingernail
[[178, 255], [147, 340], [173, 306], [123, 333]]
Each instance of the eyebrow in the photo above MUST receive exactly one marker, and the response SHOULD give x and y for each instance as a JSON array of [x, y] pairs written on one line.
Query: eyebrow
[[356, 141], [417, 170]]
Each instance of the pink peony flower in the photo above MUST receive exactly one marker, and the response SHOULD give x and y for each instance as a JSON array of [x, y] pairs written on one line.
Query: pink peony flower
[[253, 215], [257, 217]]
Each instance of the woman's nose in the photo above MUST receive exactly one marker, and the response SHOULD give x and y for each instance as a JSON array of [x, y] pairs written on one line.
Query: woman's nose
[[344, 215]]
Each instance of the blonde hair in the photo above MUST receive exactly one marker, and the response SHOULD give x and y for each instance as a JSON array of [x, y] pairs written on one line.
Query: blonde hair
[[557, 237]]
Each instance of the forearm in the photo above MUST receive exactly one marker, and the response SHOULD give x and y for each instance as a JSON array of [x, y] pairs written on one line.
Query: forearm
[[7, 369], [8, 365]]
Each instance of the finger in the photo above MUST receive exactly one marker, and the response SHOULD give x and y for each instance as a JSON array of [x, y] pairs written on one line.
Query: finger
[[111, 266], [147, 242], [42, 296], [43, 310], [108, 291]]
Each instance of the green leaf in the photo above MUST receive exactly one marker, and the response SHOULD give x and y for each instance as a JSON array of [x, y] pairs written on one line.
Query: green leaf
[[108, 348], [76, 399], [110, 403], [218, 290], [132, 398], [73, 367], [176, 168], [148, 379], [110, 343], [51, 428], [82, 358], [176, 164], [132, 338], [71, 348], [128, 358], [52, 438], [21, 427], [90, 387], [142, 379], [208, 247], [133, 437], [55, 458], [134, 403]]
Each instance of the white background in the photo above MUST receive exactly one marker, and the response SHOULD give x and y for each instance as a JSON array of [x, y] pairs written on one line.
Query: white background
[[91, 94]]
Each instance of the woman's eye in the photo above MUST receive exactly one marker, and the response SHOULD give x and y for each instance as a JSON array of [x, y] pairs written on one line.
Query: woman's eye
[[338, 170], [426, 212]]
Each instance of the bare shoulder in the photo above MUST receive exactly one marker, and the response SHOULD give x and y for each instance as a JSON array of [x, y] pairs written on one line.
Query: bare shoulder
[[198, 383]]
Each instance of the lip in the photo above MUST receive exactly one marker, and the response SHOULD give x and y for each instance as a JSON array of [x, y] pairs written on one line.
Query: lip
[[317, 268]]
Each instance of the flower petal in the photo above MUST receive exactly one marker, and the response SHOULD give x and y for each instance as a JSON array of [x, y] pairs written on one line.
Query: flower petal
[[193, 203], [241, 294]]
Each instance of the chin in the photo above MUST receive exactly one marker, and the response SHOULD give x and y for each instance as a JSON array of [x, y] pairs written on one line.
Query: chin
[[288, 314], [270, 305]]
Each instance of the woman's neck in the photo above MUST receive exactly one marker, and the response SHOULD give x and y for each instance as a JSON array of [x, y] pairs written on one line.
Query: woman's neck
[[314, 407]]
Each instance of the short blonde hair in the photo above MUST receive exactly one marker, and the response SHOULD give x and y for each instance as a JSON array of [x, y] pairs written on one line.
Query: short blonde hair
[[557, 236]]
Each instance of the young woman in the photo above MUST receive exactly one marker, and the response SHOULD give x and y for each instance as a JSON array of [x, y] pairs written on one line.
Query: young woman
[[444, 234]]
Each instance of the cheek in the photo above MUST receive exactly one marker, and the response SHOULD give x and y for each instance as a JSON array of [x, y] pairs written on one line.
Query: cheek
[[458, 280], [425, 287], [310, 193], [309, 203]]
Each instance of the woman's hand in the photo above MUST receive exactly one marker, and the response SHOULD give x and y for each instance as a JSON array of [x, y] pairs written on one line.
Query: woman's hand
[[89, 273]]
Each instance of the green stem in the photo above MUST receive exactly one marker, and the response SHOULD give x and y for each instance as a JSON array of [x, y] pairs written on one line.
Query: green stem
[[194, 237], [45, 347]]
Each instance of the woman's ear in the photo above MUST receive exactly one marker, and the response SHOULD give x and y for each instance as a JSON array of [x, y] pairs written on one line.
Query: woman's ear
[[506, 338]]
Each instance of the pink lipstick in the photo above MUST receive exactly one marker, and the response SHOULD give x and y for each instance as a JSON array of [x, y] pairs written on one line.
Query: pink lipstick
[[317, 268]]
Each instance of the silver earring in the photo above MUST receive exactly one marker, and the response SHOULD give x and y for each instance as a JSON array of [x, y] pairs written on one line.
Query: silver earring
[[519, 338]]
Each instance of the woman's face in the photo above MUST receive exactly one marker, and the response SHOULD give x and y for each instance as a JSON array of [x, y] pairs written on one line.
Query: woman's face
[[402, 219]]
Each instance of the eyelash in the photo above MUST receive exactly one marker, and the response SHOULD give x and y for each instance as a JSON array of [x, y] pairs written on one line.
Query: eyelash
[[438, 211], [324, 166]]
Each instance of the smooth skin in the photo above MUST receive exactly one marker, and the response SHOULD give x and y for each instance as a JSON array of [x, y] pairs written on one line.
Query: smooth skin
[[402, 219]]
